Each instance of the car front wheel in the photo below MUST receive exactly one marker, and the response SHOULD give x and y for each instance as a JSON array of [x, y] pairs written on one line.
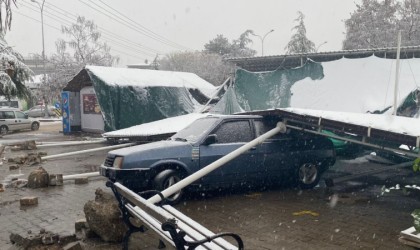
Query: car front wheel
[[308, 175], [165, 179], [4, 129], [35, 126]]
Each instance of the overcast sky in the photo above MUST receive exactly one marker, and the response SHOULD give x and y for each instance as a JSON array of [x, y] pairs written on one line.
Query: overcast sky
[[163, 26]]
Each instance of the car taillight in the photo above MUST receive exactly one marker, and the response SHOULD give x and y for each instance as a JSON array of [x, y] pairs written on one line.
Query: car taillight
[[118, 162]]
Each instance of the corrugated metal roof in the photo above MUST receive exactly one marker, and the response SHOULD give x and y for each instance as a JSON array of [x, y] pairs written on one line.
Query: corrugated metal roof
[[268, 63]]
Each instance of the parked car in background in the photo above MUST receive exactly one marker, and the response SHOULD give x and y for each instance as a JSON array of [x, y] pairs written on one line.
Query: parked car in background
[[11, 120], [294, 157], [39, 111]]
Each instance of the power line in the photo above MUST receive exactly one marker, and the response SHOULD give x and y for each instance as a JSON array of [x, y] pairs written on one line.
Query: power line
[[53, 27], [143, 27], [125, 24], [107, 32], [119, 44]]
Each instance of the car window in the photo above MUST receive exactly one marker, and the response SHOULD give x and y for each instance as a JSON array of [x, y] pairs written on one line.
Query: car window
[[234, 131], [9, 115], [196, 130], [2, 115], [20, 115]]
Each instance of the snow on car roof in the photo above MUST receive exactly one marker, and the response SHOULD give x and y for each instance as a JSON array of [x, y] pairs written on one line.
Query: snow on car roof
[[151, 78]]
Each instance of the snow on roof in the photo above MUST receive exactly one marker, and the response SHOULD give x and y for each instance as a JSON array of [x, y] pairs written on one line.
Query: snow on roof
[[356, 85], [386, 122], [151, 78], [165, 126]]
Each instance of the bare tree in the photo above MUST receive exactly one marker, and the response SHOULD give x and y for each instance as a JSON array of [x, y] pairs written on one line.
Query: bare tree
[[83, 47]]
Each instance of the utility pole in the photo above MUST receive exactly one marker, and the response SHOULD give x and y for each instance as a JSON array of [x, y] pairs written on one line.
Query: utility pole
[[41, 8]]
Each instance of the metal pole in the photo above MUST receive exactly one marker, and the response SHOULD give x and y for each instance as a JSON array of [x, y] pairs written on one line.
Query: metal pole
[[262, 40], [75, 176], [397, 74], [86, 151], [281, 127], [70, 143]]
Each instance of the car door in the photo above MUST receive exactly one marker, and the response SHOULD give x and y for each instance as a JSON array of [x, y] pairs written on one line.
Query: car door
[[274, 154], [231, 135], [10, 120], [23, 122]]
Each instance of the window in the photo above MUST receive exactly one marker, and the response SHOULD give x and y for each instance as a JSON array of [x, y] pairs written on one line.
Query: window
[[9, 115], [234, 131], [20, 115]]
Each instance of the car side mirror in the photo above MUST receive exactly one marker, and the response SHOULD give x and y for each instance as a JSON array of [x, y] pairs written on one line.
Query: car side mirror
[[210, 139], [26, 116]]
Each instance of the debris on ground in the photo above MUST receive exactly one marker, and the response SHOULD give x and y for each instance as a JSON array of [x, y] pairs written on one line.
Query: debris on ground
[[26, 145], [56, 180], [44, 240], [103, 217], [309, 212], [29, 201], [81, 180], [38, 178]]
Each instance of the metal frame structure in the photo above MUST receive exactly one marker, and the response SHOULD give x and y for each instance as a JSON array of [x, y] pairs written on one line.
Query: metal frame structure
[[366, 136]]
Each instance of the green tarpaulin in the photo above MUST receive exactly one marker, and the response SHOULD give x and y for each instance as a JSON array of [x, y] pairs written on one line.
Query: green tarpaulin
[[129, 97], [265, 90]]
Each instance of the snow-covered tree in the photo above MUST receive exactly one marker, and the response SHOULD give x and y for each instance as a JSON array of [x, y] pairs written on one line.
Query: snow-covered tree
[[372, 25], [238, 48], [409, 23], [208, 66], [82, 47], [299, 43], [13, 71]]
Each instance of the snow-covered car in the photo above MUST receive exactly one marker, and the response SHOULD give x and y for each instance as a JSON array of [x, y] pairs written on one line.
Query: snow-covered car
[[293, 157], [39, 111], [12, 120]]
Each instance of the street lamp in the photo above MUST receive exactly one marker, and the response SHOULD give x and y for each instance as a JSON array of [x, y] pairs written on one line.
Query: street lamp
[[262, 40], [317, 48], [41, 7]]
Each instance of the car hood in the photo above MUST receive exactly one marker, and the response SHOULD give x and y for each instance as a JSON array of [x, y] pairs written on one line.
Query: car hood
[[145, 154]]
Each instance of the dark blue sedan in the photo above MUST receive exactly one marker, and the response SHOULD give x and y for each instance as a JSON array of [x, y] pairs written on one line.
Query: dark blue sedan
[[294, 157]]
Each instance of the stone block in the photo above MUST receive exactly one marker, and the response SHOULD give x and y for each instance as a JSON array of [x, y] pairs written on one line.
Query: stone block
[[29, 201], [56, 179], [80, 224], [73, 246], [13, 167], [81, 180]]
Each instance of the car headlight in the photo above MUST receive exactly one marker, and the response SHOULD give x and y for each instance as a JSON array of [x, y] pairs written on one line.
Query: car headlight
[[118, 162]]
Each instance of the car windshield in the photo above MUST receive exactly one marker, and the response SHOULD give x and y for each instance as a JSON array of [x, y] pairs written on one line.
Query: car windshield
[[196, 130]]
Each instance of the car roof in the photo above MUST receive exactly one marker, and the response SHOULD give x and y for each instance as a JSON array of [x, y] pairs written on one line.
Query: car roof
[[6, 108]]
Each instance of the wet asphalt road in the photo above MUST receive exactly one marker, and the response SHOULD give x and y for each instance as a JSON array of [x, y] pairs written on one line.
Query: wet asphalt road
[[353, 214]]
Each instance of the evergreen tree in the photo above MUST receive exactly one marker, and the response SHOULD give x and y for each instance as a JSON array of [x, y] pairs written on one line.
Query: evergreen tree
[[299, 43], [238, 48], [13, 72]]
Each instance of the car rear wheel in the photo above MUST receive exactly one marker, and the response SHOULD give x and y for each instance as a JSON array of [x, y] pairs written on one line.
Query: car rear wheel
[[4, 129], [308, 175], [165, 179], [35, 126]]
